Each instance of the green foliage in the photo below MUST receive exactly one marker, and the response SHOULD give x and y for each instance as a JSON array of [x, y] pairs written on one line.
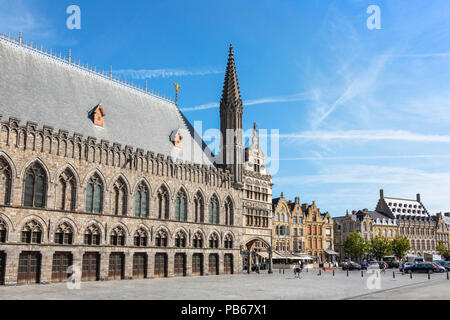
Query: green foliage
[[355, 246], [443, 250], [400, 246], [380, 247]]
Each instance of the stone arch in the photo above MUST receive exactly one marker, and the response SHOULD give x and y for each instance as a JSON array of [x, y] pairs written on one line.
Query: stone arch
[[117, 177], [8, 222], [183, 188], [69, 221], [165, 185], [97, 224], [144, 227], [71, 168], [39, 221], [249, 244], [90, 174], [14, 173], [202, 232], [214, 193], [138, 183], [42, 163], [119, 224], [163, 227]]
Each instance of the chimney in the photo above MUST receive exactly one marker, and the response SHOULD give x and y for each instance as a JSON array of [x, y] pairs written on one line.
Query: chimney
[[354, 212], [418, 197], [282, 195], [297, 200], [381, 194], [447, 214]]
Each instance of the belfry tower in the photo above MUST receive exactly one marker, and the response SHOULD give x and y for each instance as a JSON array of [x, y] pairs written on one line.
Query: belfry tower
[[231, 109]]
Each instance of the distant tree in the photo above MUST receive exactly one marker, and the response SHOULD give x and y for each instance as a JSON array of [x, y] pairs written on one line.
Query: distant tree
[[380, 247], [355, 246], [400, 246], [443, 250]]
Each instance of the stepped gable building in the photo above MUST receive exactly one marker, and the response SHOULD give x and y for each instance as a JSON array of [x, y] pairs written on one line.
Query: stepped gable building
[[422, 229], [257, 201], [107, 177]]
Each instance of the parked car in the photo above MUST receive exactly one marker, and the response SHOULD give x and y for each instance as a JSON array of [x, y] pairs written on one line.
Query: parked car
[[364, 265], [444, 264], [404, 265], [354, 266], [422, 267], [439, 267], [373, 265], [383, 265], [393, 263]]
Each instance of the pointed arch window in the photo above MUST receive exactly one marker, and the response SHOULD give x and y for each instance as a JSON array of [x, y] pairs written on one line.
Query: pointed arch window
[[228, 242], [5, 182], [199, 208], [161, 238], [92, 236], [35, 186], [32, 233], [163, 203], [229, 212], [214, 210], [197, 240], [141, 201], [120, 198], [66, 191], [181, 206], [64, 234], [140, 238], [117, 237], [180, 239], [214, 241], [3, 231], [94, 195]]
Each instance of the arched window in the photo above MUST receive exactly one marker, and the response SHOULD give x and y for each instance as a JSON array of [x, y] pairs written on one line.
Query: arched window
[[199, 208], [161, 238], [117, 237], [64, 234], [140, 238], [32, 232], [214, 241], [214, 210], [120, 198], [92, 236], [94, 195], [228, 242], [163, 203], [181, 206], [229, 212], [5, 182], [180, 239], [66, 191], [35, 186], [141, 201], [198, 240], [3, 231]]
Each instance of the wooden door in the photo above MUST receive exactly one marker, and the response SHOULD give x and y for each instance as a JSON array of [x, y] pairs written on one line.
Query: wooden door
[[139, 266], [161, 265], [180, 265], [197, 264], [116, 266], [91, 267], [2, 267], [61, 262], [29, 268], [228, 264], [213, 264]]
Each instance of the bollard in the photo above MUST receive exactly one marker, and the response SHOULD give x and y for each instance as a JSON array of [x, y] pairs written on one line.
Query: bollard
[[410, 274], [307, 269], [429, 276], [283, 271], [403, 272], [279, 271], [347, 273], [333, 274], [362, 274], [320, 272], [393, 274], [448, 276]]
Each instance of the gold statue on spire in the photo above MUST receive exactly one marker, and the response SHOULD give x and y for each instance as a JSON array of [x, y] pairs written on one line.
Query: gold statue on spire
[[177, 88]]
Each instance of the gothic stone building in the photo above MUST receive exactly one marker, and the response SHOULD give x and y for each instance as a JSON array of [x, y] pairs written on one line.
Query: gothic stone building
[[423, 230], [102, 175]]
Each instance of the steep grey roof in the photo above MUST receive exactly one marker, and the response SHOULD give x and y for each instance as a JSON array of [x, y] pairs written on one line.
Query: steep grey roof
[[35, 87]]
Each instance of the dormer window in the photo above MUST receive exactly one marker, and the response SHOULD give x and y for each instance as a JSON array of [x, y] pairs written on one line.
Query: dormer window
[[176, 138], [97, 115]]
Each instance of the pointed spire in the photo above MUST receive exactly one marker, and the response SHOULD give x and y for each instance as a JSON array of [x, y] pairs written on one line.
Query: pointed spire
[[231, 95]]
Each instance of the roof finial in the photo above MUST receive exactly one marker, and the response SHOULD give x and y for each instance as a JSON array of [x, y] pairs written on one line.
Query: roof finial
[[20, 37], [110, 72], [177, 88], [70, 56], [231, 52], [146, 86]]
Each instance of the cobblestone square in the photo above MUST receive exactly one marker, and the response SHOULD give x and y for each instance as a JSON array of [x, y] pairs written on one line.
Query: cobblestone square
[[246, 287]]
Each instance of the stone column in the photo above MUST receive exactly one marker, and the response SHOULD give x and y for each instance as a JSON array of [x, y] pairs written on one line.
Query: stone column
[[249, 261], [150, 265], [189, 264], [270, 260], [104, 266], [221, 262], [11, 265], [128, 272], [46, 266], [170, 263]]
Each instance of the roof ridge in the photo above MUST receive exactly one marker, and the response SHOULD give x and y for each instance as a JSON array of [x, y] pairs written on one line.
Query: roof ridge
[[49, 54]]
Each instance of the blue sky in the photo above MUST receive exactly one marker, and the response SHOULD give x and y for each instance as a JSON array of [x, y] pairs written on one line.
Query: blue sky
[[357, 109]]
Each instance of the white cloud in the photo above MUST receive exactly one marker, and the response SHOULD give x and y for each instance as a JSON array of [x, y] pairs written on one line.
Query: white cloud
[[278, 99], [355, 135], [164, 73]]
